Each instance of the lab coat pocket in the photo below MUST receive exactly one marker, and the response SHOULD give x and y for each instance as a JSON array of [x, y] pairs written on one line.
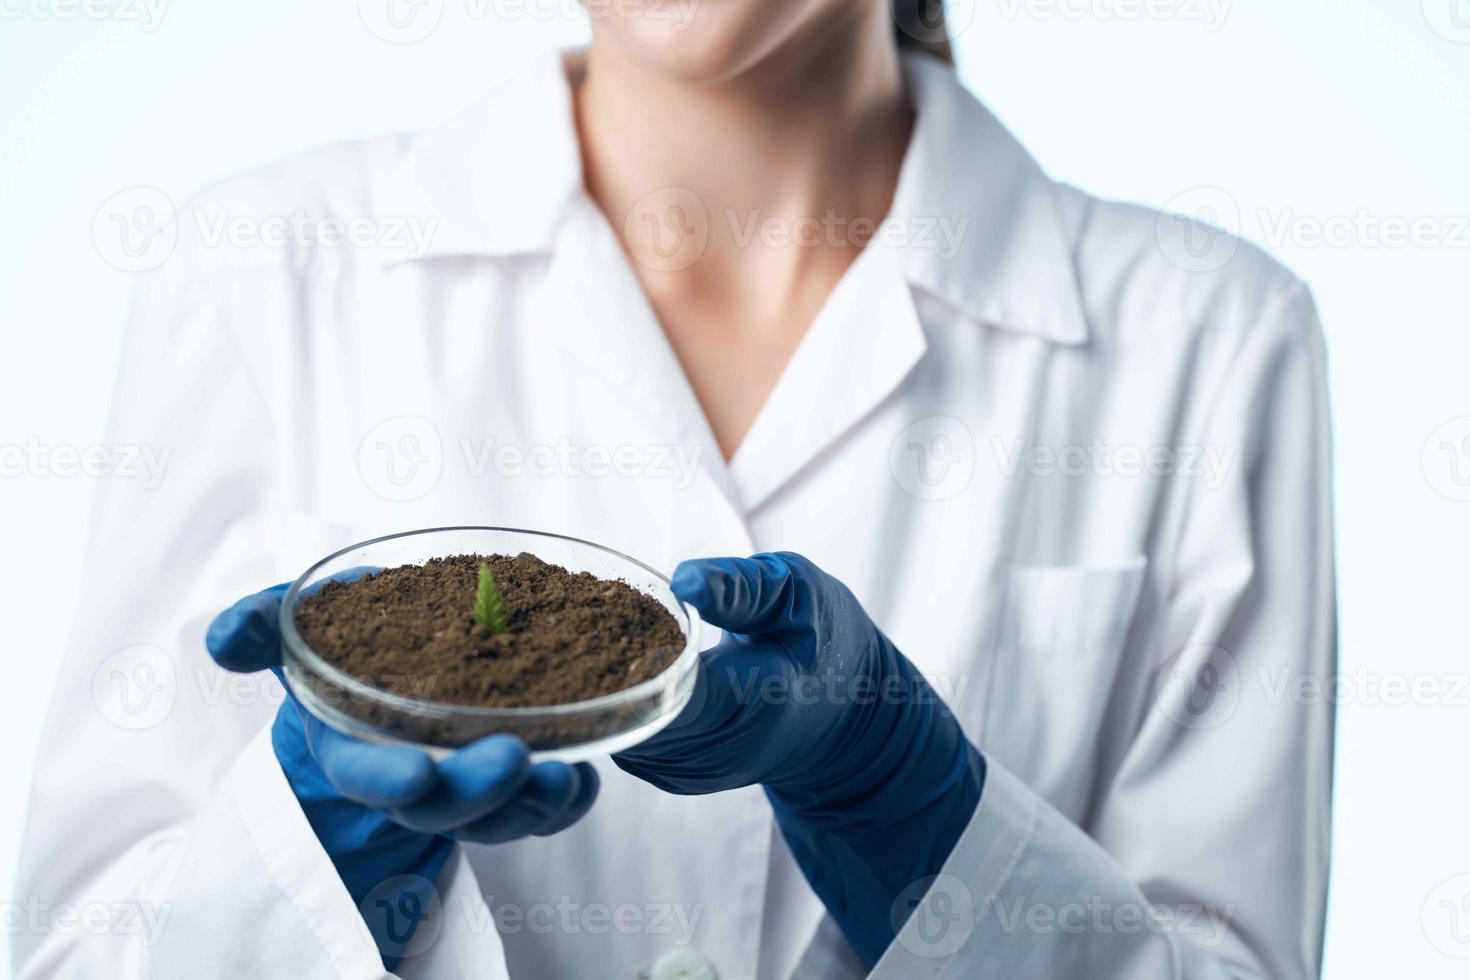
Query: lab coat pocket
[[1059, 649]]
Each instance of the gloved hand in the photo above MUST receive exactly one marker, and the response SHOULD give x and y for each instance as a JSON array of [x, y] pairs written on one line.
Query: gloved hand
[[871, 779], [383, 811]]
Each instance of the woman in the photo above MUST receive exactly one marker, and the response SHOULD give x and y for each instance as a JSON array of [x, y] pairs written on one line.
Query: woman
[[1080, 482]]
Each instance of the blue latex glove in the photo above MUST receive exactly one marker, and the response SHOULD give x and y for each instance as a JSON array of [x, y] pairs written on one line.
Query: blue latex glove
[[385, 811], [871, 779]]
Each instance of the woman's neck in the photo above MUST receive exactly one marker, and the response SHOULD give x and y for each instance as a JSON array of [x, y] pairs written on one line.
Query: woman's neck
[[817, 128]]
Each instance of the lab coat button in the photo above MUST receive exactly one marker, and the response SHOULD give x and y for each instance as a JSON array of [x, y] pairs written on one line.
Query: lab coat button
[[683, 964]]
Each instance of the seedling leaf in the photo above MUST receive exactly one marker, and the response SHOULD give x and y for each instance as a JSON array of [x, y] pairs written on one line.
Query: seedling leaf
[[489, 607]]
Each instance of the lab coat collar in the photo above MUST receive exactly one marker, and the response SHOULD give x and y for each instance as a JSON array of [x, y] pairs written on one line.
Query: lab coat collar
[[862, 345], [975, 218], [983, 226], [497, 178], [859, 350]]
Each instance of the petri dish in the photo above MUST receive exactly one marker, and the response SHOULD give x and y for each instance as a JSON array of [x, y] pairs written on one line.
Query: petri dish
[[571, 732]]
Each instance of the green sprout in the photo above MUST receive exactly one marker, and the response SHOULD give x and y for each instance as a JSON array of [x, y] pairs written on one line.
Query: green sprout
[[489, 607]]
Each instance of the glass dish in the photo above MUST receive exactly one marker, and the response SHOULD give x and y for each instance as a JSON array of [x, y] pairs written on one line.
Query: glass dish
[[568, 732]]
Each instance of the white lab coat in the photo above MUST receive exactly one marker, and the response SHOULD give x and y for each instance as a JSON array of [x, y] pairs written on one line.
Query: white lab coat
[[1079, 476]]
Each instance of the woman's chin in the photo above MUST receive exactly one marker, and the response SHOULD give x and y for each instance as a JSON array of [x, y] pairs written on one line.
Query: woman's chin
[[699, 43]]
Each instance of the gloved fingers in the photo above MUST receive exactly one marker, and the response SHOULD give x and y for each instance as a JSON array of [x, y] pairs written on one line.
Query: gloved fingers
[[546, 803], [675, 781], [246, 637], [473, 783], [734, 677], [288, 738], [742, 595], [685, 781], [740, 692], [380, 776], [588, 784], [715, 747]]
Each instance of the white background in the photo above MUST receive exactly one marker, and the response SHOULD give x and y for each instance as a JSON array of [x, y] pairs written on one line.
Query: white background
[[1344, 115]]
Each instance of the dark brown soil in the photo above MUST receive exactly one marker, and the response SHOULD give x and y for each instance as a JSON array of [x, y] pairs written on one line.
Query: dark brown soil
[[411, 630]]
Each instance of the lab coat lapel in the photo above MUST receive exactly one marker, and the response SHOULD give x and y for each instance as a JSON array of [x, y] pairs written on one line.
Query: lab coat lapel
[[864, 341], [601, 318], [862, 344]]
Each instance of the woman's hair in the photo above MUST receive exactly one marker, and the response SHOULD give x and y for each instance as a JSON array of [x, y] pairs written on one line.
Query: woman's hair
[[919, 25]]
